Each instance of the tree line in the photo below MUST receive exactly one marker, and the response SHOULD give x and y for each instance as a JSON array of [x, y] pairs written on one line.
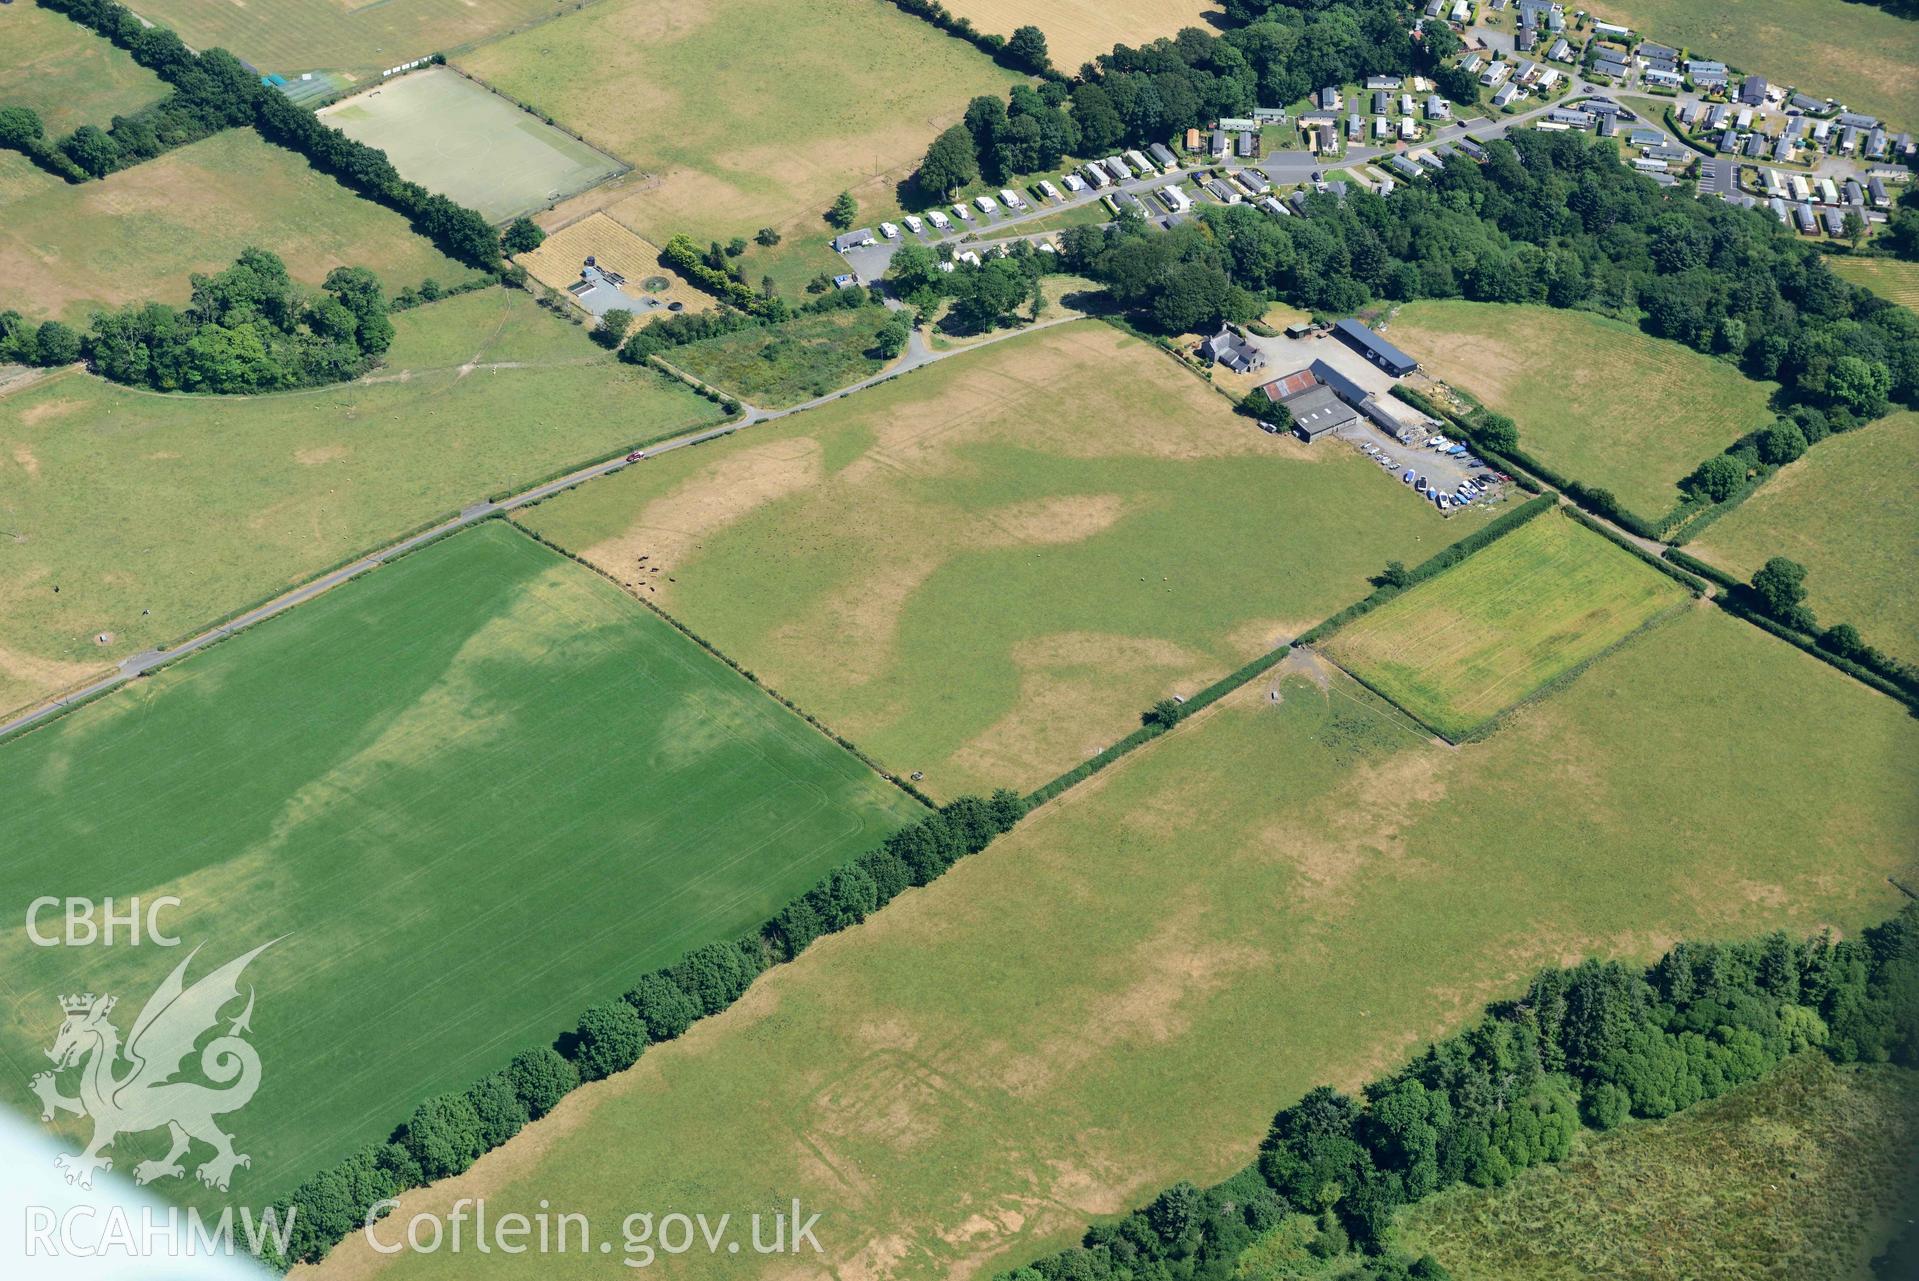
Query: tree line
[[988, 295], [248, 328], [1588, 1046], [446, 1134], [214, 86]]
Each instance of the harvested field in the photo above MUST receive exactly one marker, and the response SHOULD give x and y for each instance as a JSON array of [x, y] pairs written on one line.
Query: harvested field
[[137, 235], [470, 794], [157, 515], [1511, 619], [1120, 993], [681, 93], [66, 74], [452, 136], [1595, 399], [557, 262], [986, 569], [1845, 512], [1077, 31]]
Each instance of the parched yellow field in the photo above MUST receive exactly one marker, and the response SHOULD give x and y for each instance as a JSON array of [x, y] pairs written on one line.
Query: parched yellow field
[[742, 113], [138, 234], [358, 36], [1462, 647], [1857, 53], [1845, 511], [556, 263], [1891, 278], [1595, 399], [65, 73], [1120, 993], [1078, 30]]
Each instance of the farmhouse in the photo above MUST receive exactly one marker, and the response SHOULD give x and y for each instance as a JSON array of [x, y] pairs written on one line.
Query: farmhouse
[[1374, 348], [1228, 348]]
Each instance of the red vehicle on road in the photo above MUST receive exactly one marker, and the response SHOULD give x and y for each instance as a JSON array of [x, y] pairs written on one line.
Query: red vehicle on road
[[636, 455]]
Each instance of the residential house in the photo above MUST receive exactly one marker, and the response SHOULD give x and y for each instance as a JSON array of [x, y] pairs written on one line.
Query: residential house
[[1230, 348], [1753, 91], [1437, 108], [1507, 93]]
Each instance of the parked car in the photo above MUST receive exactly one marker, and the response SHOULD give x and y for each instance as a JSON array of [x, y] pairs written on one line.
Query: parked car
[[636, 455], [1408, 477], [1420, 486], [1441, 501]]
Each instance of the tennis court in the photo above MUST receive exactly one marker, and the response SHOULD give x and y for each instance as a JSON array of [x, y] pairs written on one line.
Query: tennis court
[[457, 137]]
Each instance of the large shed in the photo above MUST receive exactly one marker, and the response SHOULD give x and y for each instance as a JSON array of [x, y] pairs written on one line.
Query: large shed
[[1374, 348]]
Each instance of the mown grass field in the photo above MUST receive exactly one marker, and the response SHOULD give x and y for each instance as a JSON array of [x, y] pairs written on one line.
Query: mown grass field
[[66, 74], [1802, 1174], [472, 794], [1845, 512], [1891, 278], [156, 515], [1461, 648], [683, 93], [1121, 993], [782, 365], [1857, 53], [1079, 30], [985, 570], [137, 235], [452, 136], [346, 35], [1595, 399]]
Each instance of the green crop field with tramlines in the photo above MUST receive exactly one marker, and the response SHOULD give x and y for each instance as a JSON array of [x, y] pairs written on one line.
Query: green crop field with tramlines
[[470, 794], [1462, 647]]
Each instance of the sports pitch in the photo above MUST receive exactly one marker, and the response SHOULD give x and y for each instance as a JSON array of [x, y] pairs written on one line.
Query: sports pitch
[[1120, 993], [471, 794], [1467, 644], [458, 138], [985, 570]]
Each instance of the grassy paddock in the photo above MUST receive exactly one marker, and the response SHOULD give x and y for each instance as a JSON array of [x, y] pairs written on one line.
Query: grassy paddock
[[1857, 53], [985, 570], [682, 93], [66, 73], [1845, 512], [1595, 399], [1801, 1174], [156, 514], [137, 235], [1461, 648], [1120, 993], [1078, 30], [776, 366], [344, 35], [452, 136], [476, 791], [1891, 278]]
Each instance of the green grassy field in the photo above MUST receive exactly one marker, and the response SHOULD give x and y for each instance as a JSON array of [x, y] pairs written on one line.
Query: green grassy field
[[681, 93], [137, 235], [1890, 278], [1459, 649], [471, 794], [783, 365], [1845, 512], [66, 73], [1122, 992], [347, 35], [985, 570], [1857, 53], [1798, 1175], [450, 135], [1595, 399], [192, 507]]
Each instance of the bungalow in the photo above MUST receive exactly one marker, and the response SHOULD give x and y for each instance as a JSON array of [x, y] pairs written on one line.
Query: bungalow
[[1835, 222], [1782, 150], [1829, 191], [1117, 167], [1432, 8], [1729, 140], [1561, 51], [1779, 210], [1405, 104], [1506, 94], [1494, 74], [1219, 144], [1472, 63], [1246, 146], [1849, 140], [1665, 66], [1252, 180], [1273, 207], [1408, 128], [1697, 67], [1192, 140], [1229, 348], [1877, 190], [1612, 29], [1571, 116], [1755, 145], [1805, 219], [1382, 128], [1645, 137], [1402, 166], [1270, 115], [1876, 143], [853, 240], [1175, 200], [1460, 11], [1753, 91], [1472, 148], [1658, 76], [1374, 348], [1857, 120], [1329, 99], [1382, 102], [1548, 78], [1437, 108], [1430, 160], [1527, 39], [1163, 156], [1854, 193], [1297, 202], [1805, 102], [1382, 82], [1651, 51], [1355, 127], [1220, 191], [1666, 153], [1717, 115], [1608, 125], [1237, 124], [1139, 162], [1644, 165], [1613, 68]]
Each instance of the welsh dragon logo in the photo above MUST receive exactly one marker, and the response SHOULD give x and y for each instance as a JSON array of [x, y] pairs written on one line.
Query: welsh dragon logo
[[143, 1095]]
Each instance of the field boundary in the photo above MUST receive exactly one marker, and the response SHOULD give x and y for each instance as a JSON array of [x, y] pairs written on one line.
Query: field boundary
[[748, 673]]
